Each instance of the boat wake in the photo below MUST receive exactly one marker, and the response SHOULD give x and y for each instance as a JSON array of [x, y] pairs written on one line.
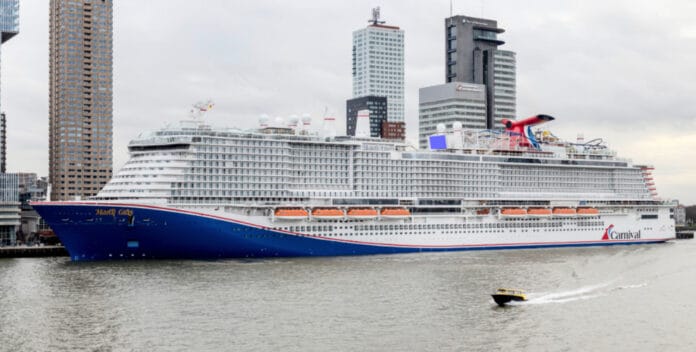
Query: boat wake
[[582, 293], [631, 286]]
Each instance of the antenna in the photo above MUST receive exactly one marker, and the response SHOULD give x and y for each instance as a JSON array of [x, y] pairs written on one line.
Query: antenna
[[450, 8], [375, 17]]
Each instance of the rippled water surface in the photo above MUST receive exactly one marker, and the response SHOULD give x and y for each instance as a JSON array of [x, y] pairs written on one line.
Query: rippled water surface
[[611, 298]]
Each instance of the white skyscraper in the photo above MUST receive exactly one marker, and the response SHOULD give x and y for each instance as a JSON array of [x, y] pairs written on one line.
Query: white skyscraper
[[378, 65], [504, 91]]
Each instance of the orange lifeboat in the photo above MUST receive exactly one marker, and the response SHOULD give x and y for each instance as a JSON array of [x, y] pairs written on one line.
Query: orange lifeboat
[[564, 212], [539, 212], [588, 211], [327, 213], [483, 211], [513, 212], [291, 213], [395, 213], [363, 213]]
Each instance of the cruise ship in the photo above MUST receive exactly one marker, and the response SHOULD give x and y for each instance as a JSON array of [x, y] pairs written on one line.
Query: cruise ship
[[194, 191]]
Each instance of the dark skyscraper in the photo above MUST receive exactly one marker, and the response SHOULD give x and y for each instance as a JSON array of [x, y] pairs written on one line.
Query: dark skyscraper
[[378, 113], [80, 94], [472, 56]]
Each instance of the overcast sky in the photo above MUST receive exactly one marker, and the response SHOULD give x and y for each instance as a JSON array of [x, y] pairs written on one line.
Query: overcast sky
[[624, 71]]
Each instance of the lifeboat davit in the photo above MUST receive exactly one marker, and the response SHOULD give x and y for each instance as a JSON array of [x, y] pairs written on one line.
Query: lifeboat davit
[[327, 213], [291, 213], [513, 212], [395, 213], [362, 213], [564, 212], [588, 211], [539, 212]]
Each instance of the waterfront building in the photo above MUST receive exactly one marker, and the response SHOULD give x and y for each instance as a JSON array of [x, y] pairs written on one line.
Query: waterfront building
[[449, 103], [9, 208], [80, 95], [31, 188], [376, 105], [472, 56], [378, 64], [393, 130], [26, 180]]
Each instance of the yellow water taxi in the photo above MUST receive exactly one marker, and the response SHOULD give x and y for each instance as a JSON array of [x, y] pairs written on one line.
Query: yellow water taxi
[[505, 295]]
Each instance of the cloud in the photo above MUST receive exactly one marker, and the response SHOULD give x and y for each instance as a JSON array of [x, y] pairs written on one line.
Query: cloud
[[620, 70]]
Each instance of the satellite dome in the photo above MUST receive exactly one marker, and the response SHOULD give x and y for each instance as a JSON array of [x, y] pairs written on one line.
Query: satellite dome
[[457, 126], [292, 122], [441, 128], [263, 120], [306, 119]]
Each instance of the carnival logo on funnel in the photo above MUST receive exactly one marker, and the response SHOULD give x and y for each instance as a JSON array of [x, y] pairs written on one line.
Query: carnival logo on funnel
[[610, 234]]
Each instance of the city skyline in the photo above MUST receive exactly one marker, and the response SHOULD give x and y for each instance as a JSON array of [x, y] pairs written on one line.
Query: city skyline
[[632, 95]]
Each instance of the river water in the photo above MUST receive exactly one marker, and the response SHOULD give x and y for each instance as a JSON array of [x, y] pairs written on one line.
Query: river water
[[609, 298]]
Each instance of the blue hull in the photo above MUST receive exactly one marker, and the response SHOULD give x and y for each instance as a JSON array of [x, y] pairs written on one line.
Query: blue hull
[[107, 231]]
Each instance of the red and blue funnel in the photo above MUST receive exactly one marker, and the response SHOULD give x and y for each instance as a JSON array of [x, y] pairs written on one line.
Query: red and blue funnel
[[521, 130]]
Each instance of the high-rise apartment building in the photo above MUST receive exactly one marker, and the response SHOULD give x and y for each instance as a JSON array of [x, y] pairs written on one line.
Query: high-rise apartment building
[[9, 191], [472, 56], [449, 103], [9, 20], [80, 93], [9, 27], [378, 64]]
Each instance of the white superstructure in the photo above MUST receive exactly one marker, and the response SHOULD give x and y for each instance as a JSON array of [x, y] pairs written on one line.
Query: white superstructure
[[483, 188]]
